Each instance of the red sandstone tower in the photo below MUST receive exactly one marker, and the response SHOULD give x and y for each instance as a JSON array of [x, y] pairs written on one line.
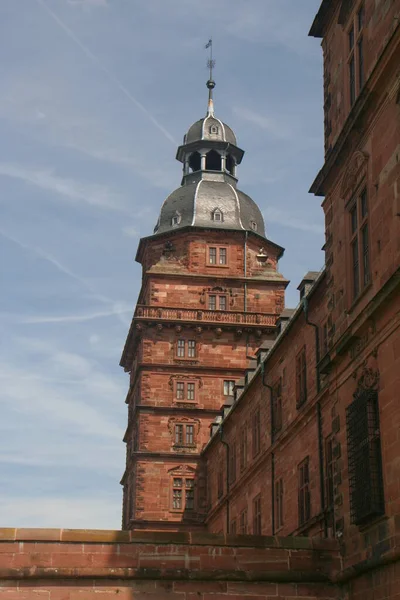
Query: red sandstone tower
[[211, 294]]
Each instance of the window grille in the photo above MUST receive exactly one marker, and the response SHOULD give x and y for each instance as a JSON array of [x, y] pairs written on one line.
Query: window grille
[[189, 494], [364, 457], [177, 493]]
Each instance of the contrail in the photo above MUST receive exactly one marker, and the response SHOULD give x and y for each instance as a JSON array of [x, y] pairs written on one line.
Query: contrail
[[110, 75]]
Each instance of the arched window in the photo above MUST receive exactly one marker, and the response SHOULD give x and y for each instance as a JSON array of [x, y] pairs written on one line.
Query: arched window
[[214, 129], [213, 161], [217, 215], [176, 219], [230, 164], [253, 225], [195, 161]]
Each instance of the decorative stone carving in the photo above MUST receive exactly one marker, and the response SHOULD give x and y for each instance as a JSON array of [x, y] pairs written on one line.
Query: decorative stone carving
[[353, 174]]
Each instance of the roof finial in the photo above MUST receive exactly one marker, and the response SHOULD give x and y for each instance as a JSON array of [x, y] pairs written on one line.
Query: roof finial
[[210, 82]]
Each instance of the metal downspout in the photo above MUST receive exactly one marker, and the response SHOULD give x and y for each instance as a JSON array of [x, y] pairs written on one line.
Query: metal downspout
[[272, 454], [221, 430]]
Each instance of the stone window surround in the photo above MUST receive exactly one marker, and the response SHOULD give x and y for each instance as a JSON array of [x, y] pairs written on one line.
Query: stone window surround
[[218, 248]]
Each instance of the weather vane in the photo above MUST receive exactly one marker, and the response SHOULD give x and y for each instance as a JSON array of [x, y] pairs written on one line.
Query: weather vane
[[211, 61]]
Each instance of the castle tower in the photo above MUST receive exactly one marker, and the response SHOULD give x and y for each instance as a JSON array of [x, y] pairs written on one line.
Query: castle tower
[[211, 294]]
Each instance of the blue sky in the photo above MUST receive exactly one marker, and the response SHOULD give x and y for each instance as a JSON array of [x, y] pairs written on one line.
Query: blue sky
[[95, 97]]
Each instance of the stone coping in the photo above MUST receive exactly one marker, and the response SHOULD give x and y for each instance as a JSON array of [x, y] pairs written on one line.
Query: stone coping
[[109, 536]]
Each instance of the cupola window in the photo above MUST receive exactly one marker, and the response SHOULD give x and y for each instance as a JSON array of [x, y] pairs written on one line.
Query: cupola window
[[217, 215], [230, 164], [195, 161], [213, 161], [176, 219], [253, 225], [214, 129]]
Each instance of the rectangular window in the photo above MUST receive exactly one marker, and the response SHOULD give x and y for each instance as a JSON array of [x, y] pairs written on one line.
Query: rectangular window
[[256, 432], [232, 528], [222, 303], [189, 494], [191, 349], [355, 58], [243, 447], [301, 378], [229, 385], [304, 492], [220, 482], [359, 244], [178, 434], [190, 434], [243, 522], [190, 391], [212, 302], [364, 457], [222, 256], [177, 493], [180, 348], [277, 406], [279, 503], [180, 390], [212, 256], [257, 525], [329, 472], [232, 467]]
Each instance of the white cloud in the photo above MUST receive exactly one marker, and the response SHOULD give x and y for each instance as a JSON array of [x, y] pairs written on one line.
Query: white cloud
[[273, 125], [99, 314], [89, 3], [93, 194]]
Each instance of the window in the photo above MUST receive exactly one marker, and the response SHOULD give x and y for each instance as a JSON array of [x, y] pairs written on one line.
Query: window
[[176, 219], [182, 493], [184, 435], [355, 59], [304, 492], [186, 349], [359, 244], [179, 434], [217, 215], [364, 457], [232, 528], [217, 302], [277, 407], [253, 225], [329, 472], [243, 447], [324, 337], [229, 385], [301, 378], [256, 432], [217, 255], [232, 466], [220, 482], [214, 129], [185, 391], [279, 503], [257, 515], [243, 522]]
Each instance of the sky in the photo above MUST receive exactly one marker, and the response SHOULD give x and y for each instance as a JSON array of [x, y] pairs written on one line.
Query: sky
[[96, 95]]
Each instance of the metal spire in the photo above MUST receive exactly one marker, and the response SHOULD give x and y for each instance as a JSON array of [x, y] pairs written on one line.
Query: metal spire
[[210, 82]]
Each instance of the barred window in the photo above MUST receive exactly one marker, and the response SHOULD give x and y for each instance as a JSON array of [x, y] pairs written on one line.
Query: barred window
[[189, 434], [232, 467], [257, 521], [178, 434], [364, 457], [177, 493], [183, 494], [180, 390], [191, 348], [304, 492], [277, 407], [243, 447], [256, 432], [190, 391], [212, 302], [186, 349], [189, 494], [301, 378], [359, 244], [279, 503], [180, 348]]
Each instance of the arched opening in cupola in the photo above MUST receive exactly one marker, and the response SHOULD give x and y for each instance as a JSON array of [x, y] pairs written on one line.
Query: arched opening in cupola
[[230, 164], [213, 161], [195, 161]]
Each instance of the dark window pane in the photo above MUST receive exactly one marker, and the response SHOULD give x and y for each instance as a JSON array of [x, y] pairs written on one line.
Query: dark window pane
[[364, 204], [189, 499], [213, 256], [180, 390], [178, 434], [360, 46], [356, 274], [352, 80], [222, 256], [228, 387], [212, 302], [351, 38], [353, 216], [190, 391], [360, 18], [189, 434], [365, 250], [180, 348], [222, 303]]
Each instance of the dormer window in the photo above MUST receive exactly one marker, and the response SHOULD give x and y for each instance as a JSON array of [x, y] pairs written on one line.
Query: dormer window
[[253, 225], [214, 129], [217, 215], [176, 219]]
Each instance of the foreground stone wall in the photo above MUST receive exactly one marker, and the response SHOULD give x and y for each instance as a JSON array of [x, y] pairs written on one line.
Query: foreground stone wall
[[59, 564]]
